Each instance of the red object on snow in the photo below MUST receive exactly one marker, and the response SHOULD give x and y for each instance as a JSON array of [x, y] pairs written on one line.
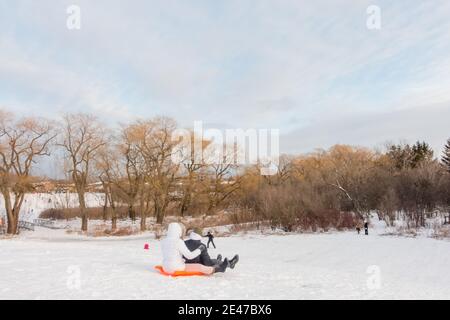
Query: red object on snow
[[146, 247]]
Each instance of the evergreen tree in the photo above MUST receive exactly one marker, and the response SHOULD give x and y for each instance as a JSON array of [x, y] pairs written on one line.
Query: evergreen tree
[[446, 156], [421, 152], [406, 156]]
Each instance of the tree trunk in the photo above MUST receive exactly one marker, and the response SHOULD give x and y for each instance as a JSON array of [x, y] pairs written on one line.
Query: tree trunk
[[186, 202], [84, 222], [11, 214], [114, 222], [184, 205], [105, 207], [84, 215], [112, 208], [159, 214], [13, 223], [159, 218], [143, 223], [131, 212], [142, 209], [143, 217]]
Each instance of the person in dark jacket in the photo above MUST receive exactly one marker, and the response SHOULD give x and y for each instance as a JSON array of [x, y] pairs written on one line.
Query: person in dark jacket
[[195, 242], [210, 237], [366, 228]]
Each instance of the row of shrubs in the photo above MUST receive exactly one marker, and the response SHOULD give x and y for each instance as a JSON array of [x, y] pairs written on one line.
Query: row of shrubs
[[97, 213]]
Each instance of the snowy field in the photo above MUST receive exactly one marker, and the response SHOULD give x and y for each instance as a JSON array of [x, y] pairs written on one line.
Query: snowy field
[[50, 264]]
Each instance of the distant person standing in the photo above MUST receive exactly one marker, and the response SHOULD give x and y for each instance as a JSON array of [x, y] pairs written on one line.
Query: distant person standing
[[210, 237], [366, 228], [358, 227]]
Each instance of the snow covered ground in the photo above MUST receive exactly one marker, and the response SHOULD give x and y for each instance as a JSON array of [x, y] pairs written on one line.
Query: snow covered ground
[[53, 264]]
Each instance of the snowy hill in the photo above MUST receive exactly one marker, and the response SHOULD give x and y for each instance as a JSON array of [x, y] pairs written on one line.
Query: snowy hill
[[53, 264]]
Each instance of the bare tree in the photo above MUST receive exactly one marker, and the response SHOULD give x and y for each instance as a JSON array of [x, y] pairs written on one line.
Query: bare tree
[[110, 175], [132, 187], [223, 179], [161, 173], [82, 138], [346, 169], [21, 143], [133, 164], [340, 174], [284, 170], [190, 171]]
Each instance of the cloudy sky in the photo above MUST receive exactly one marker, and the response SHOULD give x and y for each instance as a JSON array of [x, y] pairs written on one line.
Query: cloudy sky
[[309, 68]]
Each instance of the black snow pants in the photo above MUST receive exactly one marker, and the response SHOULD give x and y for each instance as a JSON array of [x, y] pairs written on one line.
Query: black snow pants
[[210, 240]]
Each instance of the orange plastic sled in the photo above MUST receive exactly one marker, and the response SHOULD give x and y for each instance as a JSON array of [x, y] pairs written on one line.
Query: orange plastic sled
[[179, 273]]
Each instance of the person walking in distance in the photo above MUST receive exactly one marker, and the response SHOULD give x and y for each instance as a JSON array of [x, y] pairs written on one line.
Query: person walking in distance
[[366, 228], [359, 226], [210, 237]]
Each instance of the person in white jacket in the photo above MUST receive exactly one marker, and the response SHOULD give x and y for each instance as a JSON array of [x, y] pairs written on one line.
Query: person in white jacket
[[173, 250]]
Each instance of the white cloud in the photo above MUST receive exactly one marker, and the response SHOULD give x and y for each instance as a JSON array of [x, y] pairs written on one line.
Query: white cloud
[[294, 65]]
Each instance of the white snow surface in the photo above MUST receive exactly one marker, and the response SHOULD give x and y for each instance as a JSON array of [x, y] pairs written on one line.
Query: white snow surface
[[51, 264]]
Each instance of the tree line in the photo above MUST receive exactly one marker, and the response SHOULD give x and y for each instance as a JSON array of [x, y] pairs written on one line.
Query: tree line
[[321, 189], [133, 163]]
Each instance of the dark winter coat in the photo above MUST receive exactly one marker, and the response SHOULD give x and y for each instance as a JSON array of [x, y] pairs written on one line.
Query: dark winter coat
[[203, 258]]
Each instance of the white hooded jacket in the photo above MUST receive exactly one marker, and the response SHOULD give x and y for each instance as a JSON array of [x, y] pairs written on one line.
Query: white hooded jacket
[[173, 250]]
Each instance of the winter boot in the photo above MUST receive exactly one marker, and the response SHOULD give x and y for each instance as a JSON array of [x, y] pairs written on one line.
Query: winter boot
[[234, 261], [222, 267]]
